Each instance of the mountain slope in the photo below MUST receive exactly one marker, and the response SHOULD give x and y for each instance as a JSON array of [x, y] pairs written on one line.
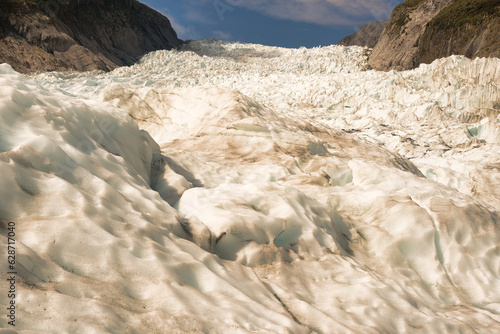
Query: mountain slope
[[421, 31], [368, 35], [49, 35], [398, 46], [470, 28]]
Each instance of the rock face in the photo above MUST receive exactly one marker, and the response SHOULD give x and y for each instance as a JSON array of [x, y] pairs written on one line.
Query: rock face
[[81, 35], [398, 47], [368, 35], [421, 31], [470, 28]]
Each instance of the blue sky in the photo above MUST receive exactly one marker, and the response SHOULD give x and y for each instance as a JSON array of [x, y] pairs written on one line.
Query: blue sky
[[287, 23]]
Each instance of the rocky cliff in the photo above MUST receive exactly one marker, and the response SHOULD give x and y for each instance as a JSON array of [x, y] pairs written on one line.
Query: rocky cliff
[[48, 35], [470, 28], [420, 31], [368, 35]]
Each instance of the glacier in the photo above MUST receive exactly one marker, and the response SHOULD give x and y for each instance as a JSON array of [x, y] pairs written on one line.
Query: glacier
[[239, 188]]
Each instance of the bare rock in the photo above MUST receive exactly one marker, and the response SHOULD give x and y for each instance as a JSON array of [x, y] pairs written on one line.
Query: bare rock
[[421, 31], [81, 35], [464, 28], [398, 47], [368, 35]]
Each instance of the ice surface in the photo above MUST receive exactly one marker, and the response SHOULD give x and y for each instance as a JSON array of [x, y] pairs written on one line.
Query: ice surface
[[237, 188]]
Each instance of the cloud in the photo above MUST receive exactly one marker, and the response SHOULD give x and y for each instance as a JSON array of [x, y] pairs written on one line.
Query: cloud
[[222, 35], [324, 12], [183, 31]]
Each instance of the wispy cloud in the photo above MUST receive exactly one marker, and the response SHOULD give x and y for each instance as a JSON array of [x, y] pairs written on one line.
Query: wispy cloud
[[324, 12], [183, 31], [200, 11], [222, 35]]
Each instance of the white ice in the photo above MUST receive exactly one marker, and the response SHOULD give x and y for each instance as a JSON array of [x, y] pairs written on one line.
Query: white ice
[[238, 188]]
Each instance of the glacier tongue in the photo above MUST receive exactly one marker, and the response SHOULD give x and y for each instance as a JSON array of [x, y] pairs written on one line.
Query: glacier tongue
[[436, 112], [240, 188]]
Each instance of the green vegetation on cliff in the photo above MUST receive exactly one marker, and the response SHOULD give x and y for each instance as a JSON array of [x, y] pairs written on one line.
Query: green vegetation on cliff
[[421, 31], [463, 12], [401, 14], [470, 28]]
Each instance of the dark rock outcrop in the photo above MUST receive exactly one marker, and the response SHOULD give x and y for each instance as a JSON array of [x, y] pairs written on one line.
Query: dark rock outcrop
[[368, 35], [421, 31], [48, 35]]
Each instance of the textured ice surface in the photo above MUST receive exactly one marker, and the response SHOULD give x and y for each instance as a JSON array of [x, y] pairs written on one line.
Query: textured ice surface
[[441, 115], [235, 188]]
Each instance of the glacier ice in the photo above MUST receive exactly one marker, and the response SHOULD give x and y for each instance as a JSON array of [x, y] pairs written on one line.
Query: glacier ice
[[242, 188]]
